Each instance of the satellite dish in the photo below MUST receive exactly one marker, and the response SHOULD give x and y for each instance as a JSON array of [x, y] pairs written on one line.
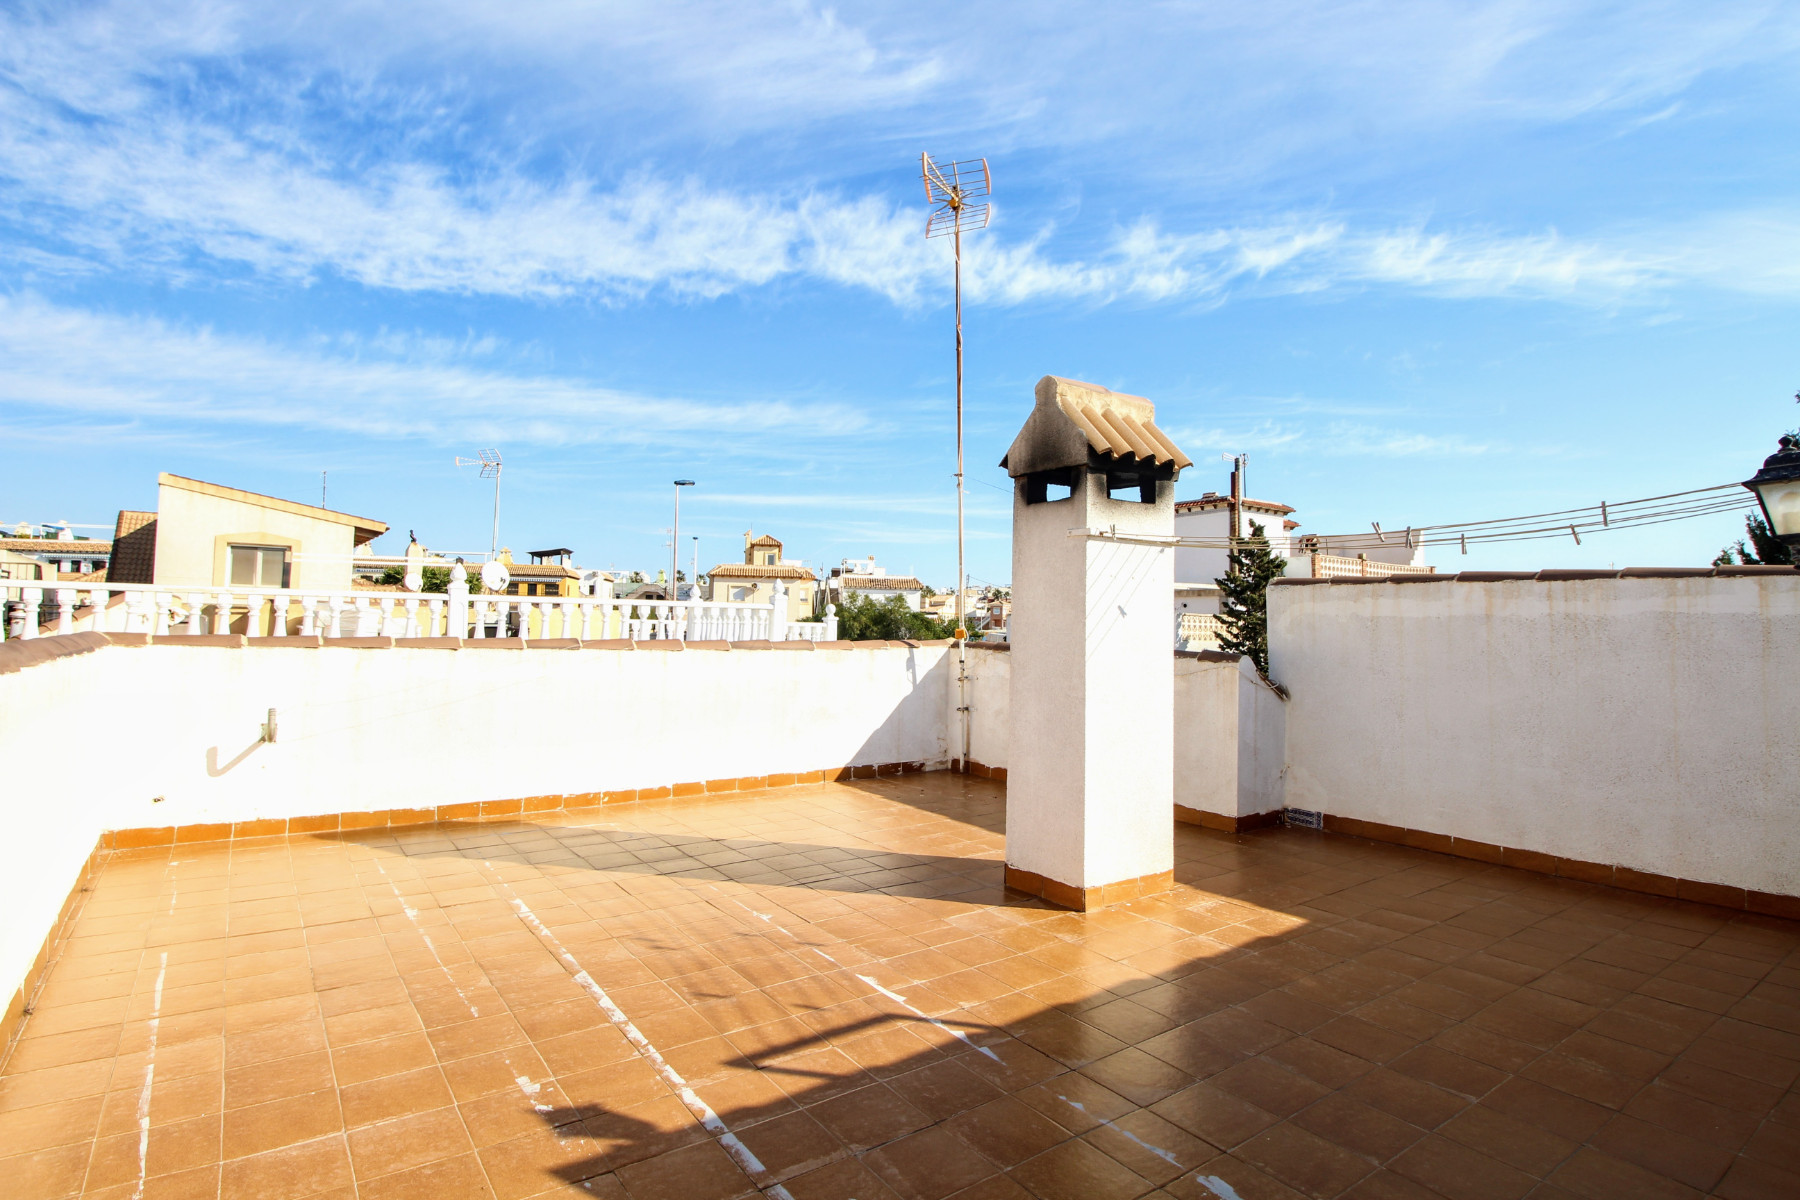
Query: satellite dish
[[590, 583], [495, 576], [415, 579]]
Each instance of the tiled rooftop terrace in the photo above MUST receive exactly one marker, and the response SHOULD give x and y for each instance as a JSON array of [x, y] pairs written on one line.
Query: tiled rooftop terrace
[[836, 975]]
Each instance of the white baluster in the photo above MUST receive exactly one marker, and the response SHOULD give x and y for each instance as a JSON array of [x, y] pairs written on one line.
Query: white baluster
[[278, 614], [569, 629], [33, 600], [196, 616], [458, 625], [436, 620], [412, 617], [221, 622], [65, 611], [99, 601]]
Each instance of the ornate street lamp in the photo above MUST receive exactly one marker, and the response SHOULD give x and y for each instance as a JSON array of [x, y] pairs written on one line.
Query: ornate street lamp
[[1777, 488]]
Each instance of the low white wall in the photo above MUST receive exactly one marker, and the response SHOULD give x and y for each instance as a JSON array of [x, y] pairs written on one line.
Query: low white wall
[[1230, 733], [990, 707], [1640, 722], [93, 738]]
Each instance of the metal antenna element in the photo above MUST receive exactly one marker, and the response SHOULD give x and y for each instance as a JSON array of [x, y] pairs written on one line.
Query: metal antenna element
[[490, 465], [958, 195]]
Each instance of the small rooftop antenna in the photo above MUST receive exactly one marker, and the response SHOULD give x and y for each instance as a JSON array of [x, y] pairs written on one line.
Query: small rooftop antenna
[[958, 195], [490, 464]]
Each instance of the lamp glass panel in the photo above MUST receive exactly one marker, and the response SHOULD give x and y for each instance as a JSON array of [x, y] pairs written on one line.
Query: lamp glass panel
[[1783, 502]]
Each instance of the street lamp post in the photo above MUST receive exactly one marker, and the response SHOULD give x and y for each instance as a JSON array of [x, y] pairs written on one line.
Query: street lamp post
[[1777, 489], [675, 538]]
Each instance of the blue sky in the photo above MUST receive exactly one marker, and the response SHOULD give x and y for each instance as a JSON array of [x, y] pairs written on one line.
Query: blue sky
[[1422, 261]]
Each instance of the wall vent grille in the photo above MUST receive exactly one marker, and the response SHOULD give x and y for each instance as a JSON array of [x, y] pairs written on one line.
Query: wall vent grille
[[1304, 818]]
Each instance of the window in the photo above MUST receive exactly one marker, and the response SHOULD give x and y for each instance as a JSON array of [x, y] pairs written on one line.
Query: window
[[258, 566], [769, 559]]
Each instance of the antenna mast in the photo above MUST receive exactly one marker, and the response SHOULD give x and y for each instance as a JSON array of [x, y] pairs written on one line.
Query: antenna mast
[[490, 465], [958, 193]]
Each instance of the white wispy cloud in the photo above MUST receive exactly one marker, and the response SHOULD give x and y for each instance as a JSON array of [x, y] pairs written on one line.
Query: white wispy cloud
[[213, 139], [113, 372]]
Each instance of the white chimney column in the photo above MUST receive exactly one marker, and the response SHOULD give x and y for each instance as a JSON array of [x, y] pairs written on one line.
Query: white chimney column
[[1090, 781]]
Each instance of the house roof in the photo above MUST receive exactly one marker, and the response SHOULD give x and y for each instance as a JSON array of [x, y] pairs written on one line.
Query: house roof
[[134, 548], [1214, 500], [542, 571], [1073, 419], [46, 546], [766, 540], [753, 571], [367, 528], [880, 583]]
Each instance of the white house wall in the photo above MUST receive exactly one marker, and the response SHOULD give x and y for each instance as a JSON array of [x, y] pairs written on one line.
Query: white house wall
[[1647, 723]]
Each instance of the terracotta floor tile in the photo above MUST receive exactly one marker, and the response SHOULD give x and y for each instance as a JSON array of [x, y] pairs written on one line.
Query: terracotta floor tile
[[460, 1177], [1453, 1169], [848, 1179], [408, 1141], [263, 1127], [928, 1165], [1077, 1171], [1413, 1017], [1304, 1160], [304, 1169], [702, 1171], [1214, 1115]]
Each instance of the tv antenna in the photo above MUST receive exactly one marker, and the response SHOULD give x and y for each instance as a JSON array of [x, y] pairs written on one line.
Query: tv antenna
[[490, 464], [958, 195]]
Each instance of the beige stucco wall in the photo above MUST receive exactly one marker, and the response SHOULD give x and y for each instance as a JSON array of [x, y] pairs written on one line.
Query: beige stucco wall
[[1640, 722], [193, 528]]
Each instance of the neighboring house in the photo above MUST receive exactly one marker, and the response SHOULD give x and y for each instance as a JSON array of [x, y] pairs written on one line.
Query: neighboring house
[[753, 580], [207, 535], [1213, 516], [58, 558], [861, 577], [540, 576]]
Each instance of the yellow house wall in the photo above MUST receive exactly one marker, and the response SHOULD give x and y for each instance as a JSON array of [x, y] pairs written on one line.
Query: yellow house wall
[[193, 530]]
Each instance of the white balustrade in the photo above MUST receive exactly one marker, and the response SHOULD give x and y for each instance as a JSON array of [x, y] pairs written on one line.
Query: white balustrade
[[31, 611]]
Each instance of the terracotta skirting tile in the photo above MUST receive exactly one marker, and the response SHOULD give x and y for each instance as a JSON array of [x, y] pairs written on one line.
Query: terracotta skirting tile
[[538, 804], [781, 781], [610, 644], [1479, 851], [868, 772], [501, 808], [753, 783], [1722, 895], [810, 777], [1587, 872], [411, 816], [459, 812], [361, 820], [134, 839], [294, 641], [656, 793], [554, 643], [721, 785], [1710, 893], [1644, 881], [1223, 823], [688, 789], [619, 797], [1529, 860], [838, 774], [322, 823], [265, 827], [1087, 899], [202, 833]]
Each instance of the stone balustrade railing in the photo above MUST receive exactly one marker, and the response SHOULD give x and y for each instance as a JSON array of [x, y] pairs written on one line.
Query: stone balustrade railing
[[33, 609]]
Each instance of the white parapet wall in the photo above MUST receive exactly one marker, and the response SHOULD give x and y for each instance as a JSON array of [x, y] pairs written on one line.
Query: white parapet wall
[[129, 737], [1646, 720], [1230, 741]]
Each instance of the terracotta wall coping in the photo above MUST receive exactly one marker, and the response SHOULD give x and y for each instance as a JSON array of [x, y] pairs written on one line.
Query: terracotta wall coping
[[1558, 575]]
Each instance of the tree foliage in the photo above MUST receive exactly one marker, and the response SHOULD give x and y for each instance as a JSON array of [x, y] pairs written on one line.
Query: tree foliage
[[1244, 597], [436, 579], [862, 619], [1763, 548]]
